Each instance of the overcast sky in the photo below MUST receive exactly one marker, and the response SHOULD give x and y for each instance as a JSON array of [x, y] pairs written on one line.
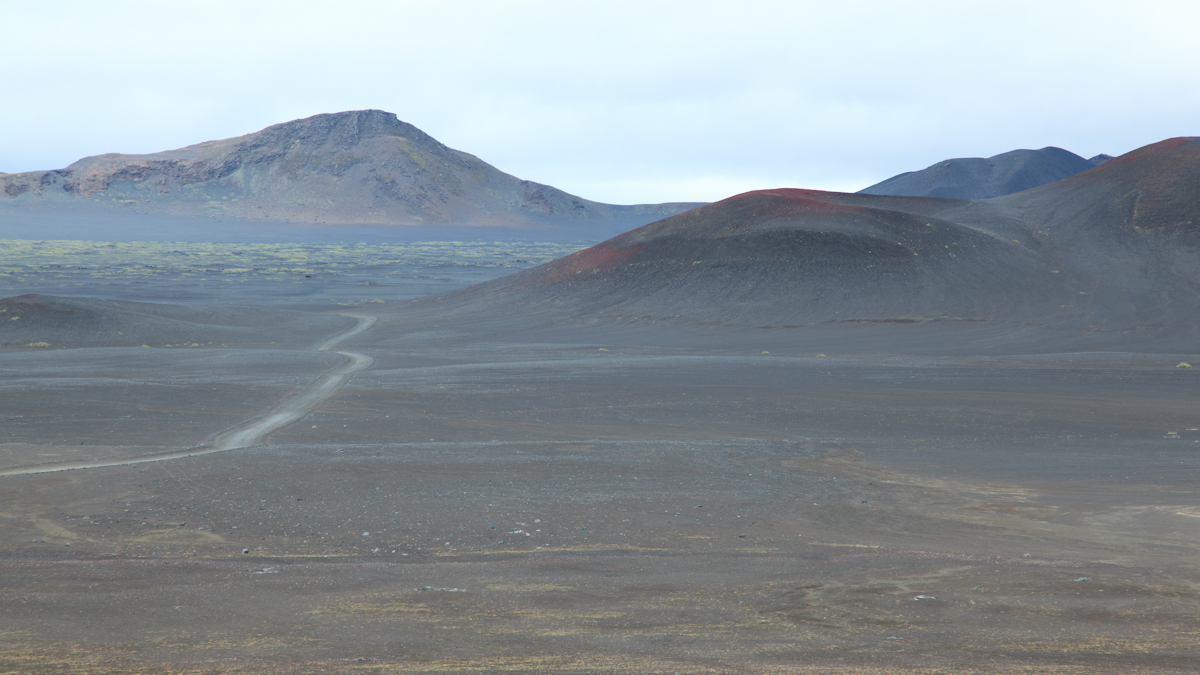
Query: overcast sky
[[620, 102]]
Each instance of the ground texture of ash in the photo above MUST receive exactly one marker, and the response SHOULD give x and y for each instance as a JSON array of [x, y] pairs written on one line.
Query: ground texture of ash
[[603, 507]]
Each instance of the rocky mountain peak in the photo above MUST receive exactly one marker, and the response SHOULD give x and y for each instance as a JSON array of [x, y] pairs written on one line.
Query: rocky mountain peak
[[344, 129], [360, 166]]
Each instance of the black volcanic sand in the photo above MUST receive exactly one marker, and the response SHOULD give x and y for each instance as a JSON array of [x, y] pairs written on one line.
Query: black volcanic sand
[[621, 463], [85, 404], [654, 509]]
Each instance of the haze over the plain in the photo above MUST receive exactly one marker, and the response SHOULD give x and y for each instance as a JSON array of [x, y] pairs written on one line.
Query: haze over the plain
[[615, 102]]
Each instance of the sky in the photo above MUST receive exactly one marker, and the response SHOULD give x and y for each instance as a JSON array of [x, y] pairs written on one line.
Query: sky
[[621, 102]]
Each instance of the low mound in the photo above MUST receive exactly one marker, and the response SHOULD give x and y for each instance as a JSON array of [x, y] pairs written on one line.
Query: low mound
[[984, 178], [40, 321], [787, 257]]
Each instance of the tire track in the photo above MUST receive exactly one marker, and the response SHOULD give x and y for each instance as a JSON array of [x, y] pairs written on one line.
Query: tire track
[[252, 432]]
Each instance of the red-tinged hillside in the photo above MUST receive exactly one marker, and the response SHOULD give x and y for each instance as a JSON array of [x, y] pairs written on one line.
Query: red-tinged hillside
[[787, 257], [1154, 190], [1106, 259]]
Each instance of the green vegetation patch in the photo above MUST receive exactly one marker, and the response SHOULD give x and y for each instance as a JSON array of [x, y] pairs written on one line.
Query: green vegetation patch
[[58, 266]]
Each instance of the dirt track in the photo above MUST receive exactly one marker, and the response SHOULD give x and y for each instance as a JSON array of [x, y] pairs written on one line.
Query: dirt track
[[896, 436], [253, 432], [469, 504]]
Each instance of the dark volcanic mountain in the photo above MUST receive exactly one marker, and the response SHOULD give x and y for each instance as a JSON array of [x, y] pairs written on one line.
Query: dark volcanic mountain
[[979, 178], [792, 257], [1107, 257], [362, 167]]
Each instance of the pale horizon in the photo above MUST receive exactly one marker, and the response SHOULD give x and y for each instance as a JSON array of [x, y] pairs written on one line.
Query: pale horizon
[[616, 102]]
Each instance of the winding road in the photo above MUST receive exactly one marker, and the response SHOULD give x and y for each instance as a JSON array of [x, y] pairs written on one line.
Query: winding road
[[252, 432]]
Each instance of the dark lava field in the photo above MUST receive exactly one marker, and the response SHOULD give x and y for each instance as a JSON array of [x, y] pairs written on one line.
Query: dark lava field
[[788, 432]]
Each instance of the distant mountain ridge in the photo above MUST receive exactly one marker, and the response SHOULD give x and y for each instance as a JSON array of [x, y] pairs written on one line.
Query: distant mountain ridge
[[984, 178], [358, 167]]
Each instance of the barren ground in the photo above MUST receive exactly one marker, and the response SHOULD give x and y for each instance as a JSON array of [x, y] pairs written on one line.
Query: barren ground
[[595, 503]]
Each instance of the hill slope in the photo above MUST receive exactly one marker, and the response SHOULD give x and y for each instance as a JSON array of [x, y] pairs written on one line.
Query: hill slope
[[1106, 259], [364, 167], [789, 257], [62, 322], [980, 178]]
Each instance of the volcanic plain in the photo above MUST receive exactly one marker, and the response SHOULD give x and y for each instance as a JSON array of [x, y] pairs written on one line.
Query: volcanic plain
[[788, 432]]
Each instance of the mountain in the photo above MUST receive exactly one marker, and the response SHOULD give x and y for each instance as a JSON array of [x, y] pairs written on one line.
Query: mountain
[[364, 167], [789, 257], [1107, 258], [1149, 194], [979, 178]]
